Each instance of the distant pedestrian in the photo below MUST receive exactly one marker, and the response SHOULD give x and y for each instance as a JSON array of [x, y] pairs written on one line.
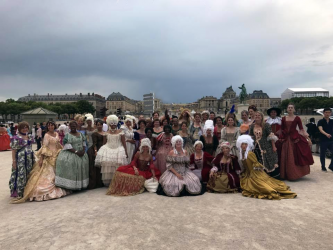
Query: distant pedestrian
[[314, 134], [39, 136], [325, 127], [12, 129]]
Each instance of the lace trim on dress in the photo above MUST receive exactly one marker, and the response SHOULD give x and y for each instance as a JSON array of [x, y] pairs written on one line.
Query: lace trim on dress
[[177, 159], [72, 185]]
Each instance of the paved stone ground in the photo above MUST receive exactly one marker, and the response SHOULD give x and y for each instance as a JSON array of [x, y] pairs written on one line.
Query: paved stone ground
[[92, 220]]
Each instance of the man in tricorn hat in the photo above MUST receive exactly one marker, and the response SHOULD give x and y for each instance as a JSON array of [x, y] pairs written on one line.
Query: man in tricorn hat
[[274, 120]]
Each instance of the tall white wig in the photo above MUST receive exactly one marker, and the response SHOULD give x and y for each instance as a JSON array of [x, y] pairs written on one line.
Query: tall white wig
[[209, 124], [89, 117], [112, 119], [244, 139], [145, 142]]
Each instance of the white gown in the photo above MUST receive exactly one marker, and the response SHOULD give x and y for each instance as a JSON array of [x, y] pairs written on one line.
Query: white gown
[[129, 134], [110, 157]]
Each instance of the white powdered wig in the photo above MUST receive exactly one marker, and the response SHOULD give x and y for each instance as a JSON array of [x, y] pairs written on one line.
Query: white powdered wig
[[175, 139], [145, 142], [198, 143], [205, 112], [129, 118], [244, 139], [89, 117], [112, 119], [62, 127], [209, 124]]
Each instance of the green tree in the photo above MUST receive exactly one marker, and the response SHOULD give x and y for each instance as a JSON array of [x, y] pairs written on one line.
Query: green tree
[[57, 109], [69, 108], [84, 106]]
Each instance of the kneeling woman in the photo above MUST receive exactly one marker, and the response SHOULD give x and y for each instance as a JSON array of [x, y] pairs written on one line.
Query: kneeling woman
[[224, 176], [178, 179], [130, 179], [72, 166], [255, 182]]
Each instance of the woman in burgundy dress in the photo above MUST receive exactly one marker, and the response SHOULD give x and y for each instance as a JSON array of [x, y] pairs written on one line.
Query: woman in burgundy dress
[[200, 162], [218, 122], [224, 176], [130, 179], [296, 155]]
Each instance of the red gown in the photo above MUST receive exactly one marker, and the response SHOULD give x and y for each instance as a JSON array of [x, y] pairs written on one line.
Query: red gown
[[296, 155], [206, 165], [4, 139], [125, 182]]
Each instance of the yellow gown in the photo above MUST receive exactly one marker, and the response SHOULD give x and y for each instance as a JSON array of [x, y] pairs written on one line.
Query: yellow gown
[[257, 184]]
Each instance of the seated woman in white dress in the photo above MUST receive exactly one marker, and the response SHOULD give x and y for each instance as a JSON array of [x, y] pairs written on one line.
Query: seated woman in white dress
[[178, 179]]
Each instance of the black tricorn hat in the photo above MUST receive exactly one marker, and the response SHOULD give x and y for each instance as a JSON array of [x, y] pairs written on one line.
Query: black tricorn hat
[[278, 111]]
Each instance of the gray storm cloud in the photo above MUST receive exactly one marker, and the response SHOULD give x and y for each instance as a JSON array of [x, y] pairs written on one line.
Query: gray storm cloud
[[181, 50]]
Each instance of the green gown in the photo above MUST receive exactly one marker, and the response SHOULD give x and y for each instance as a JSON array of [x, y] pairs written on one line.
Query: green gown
[[72, 171]]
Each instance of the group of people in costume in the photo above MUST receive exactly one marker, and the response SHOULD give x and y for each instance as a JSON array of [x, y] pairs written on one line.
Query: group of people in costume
[[172, 156]]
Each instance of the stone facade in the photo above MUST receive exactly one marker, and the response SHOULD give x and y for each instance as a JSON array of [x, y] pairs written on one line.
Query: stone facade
[[96, 100], [117, 100], [210, 103], [260, 100]]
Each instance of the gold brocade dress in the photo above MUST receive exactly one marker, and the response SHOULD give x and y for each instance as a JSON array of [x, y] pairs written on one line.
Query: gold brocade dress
[[41, 183], [257, 184]]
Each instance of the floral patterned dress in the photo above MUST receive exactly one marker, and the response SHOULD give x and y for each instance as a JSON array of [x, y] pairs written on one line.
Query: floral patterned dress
[[24, 163]]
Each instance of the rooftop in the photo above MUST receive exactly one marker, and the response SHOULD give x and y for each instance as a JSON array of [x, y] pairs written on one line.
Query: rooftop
[[39, 111], [307, 89]]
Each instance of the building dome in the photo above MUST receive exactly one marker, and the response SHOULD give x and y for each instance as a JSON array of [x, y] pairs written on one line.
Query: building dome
[[116, 97]]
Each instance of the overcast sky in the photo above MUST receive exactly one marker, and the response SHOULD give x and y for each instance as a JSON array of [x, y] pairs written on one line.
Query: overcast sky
[[180, 49]]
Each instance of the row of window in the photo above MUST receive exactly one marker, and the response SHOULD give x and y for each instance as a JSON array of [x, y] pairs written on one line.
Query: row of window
[[310, 94]]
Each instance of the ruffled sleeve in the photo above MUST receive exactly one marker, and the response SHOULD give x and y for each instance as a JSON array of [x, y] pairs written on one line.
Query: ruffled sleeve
[[66, 142], [253, 159], [223, 135], [46, 140], [169, 162], [270, 135], [300, 126], [44, 151], [14, 142]]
